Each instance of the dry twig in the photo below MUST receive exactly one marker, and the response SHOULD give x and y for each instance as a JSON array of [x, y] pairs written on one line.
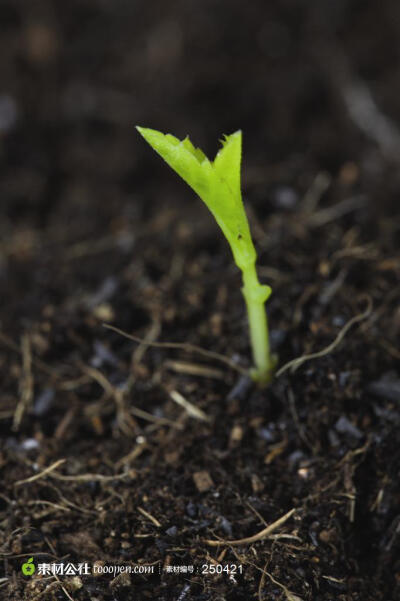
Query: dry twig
[[190, 409], [150, 517], [26, 383], [194, 369], [45, 472], [256, 537], [184, 346]]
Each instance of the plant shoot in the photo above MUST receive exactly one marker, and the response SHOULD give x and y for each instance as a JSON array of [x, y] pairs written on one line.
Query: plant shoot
[[217, 183]]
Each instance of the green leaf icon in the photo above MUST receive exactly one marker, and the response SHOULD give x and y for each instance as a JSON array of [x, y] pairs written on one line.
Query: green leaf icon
[[28, 568]]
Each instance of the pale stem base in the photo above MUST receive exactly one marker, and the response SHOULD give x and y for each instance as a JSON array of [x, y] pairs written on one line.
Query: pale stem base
[[258, 325]]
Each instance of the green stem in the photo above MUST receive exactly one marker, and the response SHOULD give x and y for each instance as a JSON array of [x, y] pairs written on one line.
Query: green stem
[[255, 296]]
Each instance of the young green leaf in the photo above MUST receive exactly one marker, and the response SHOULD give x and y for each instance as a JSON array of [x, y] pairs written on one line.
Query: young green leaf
[[217, 183]]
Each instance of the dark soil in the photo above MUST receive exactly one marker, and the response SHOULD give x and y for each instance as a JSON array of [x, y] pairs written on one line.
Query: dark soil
[[99, 462]]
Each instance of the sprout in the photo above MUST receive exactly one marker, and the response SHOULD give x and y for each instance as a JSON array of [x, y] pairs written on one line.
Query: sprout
[[217, 183]]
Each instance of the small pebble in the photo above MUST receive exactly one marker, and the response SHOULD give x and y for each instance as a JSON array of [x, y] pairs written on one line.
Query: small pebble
[[344, 377], [172, 531], [184, 592], [236, 435], [256, 484], [387, 387], [285, 197], [268, 433], [333, 439], [104, 312], [387, 414], [43, 402], [338, 321], [102, 355], [75, 583], [202, 481], [226, 526], [328, 535], [241, 389], [344, 426], [104, 293], [295, 458], [8, 113], [191, 509], [29, 444], [276, 338]]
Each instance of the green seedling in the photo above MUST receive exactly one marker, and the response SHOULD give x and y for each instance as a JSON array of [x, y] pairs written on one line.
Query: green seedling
[[217, 183]]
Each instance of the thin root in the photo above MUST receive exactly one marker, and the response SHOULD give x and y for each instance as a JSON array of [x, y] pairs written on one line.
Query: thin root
[[294, 364]]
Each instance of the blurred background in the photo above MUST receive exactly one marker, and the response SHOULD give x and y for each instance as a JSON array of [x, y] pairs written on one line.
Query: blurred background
[[314, 85]]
